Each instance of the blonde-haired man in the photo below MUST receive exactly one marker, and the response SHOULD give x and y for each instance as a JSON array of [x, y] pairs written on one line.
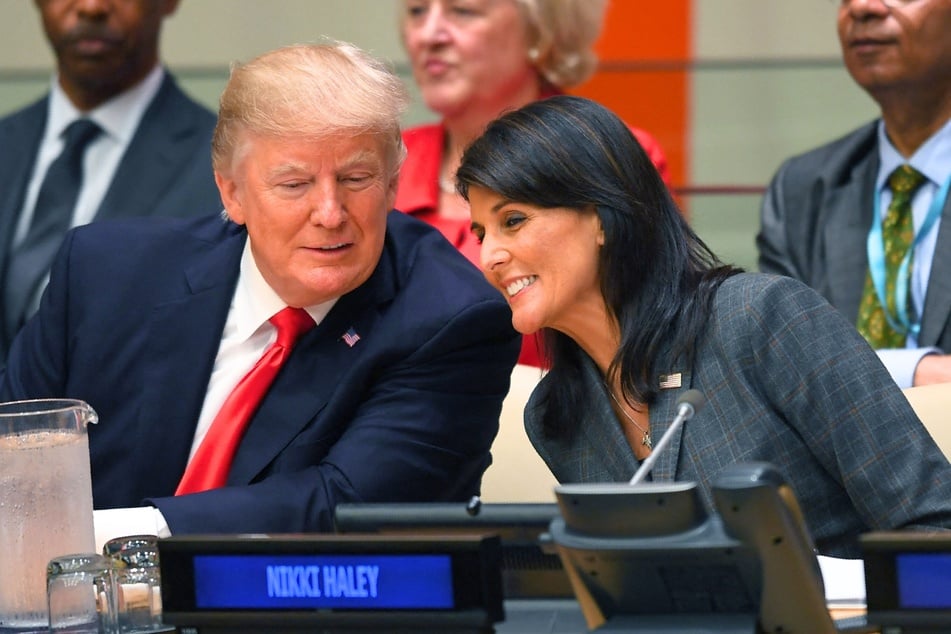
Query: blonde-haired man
[[394, 392]]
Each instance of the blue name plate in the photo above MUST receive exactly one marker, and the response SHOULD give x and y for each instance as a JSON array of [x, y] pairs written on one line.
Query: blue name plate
[[243, 581]]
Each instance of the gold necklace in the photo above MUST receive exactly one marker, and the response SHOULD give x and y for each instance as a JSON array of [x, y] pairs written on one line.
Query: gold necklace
[[646, 440]]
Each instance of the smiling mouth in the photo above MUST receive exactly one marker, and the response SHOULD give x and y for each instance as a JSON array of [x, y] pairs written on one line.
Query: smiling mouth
[[519, 284], [332, 248]]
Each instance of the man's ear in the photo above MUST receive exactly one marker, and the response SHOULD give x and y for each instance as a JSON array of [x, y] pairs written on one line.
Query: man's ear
[[228, 189]]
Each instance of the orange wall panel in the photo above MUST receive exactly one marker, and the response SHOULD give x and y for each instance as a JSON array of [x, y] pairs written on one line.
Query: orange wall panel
[[645, 49]]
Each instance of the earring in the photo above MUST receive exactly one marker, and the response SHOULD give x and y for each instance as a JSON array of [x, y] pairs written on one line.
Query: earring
[[533, 54]]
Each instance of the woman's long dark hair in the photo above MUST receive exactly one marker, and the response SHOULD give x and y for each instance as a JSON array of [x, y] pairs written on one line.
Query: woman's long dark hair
[[657, 276]]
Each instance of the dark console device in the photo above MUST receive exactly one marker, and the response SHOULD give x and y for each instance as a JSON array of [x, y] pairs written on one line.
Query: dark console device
[[531, 569], [649, 559], [908, 580]]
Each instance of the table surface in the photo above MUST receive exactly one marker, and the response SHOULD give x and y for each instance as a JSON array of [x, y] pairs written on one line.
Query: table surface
[[562, 616]]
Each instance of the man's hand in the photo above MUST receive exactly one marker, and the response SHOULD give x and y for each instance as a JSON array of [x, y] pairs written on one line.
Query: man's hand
[[933, 368]]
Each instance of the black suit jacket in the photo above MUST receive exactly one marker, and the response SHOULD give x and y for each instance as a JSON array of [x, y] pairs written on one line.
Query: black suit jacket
[[165, 171], [816, 217], [131, 323]]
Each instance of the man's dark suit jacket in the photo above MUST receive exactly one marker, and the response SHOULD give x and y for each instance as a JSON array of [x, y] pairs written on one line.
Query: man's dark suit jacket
[[165, 171], [131, 322], [816, 217]]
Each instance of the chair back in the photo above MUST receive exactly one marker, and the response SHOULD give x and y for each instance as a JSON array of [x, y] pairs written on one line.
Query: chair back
[[517, 473], [932, 403]]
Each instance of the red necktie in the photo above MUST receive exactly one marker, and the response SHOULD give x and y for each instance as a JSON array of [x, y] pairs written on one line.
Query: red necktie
[[208, 468]]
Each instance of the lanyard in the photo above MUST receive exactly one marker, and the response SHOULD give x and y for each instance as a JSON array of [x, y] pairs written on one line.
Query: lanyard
[[876, 261]]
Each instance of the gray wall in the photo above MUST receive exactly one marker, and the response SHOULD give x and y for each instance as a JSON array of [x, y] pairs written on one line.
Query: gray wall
[[204, 37]]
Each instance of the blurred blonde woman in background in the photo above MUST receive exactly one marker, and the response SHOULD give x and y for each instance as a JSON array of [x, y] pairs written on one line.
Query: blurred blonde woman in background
[[472, 61]]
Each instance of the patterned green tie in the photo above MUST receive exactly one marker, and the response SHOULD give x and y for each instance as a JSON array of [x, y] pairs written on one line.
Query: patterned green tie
[[897, 235]]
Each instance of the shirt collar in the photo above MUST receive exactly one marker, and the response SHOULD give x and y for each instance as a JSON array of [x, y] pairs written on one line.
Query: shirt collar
[[255, 301], [933, 158], [118, 117]]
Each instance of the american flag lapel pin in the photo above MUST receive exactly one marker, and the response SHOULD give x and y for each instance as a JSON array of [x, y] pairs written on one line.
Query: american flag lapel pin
[[669, 381], [350, 337]]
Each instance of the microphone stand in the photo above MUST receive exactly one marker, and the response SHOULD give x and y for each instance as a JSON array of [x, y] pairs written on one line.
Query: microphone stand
[[688, 405]]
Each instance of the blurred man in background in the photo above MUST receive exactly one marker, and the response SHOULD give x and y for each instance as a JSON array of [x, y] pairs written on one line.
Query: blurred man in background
[[114, 137], [860, 219]]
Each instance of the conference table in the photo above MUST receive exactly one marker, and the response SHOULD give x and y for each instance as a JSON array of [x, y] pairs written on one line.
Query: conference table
[[562, 616]]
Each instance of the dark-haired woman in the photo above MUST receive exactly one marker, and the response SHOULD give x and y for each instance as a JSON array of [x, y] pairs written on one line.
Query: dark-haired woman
[[581, 236], [472, 61]]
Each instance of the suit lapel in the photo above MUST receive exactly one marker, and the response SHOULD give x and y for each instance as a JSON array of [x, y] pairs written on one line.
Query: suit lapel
[[19, 143], [845, 236], [662, 414], [154, 156], [184, 334], [311, 376], [600, 430], [938, 296]]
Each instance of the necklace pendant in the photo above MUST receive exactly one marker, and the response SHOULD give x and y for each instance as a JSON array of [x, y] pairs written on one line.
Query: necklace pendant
[[646, 441]]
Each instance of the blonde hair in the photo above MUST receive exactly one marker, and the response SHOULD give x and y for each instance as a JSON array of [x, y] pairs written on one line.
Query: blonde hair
[[563, 34], [310, 91]]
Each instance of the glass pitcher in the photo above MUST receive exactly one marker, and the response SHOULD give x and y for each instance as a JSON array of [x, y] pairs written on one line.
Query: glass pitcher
[[45, 501]]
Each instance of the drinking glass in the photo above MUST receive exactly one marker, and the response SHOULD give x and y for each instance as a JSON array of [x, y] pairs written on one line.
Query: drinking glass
[[81, 594], [138, 583]]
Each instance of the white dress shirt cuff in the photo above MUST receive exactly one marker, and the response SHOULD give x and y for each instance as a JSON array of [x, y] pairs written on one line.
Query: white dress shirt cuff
[[143, 520], [844, 581], [902, 362]]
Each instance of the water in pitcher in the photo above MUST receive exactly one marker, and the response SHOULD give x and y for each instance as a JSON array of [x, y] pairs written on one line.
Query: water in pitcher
[[45, 498]]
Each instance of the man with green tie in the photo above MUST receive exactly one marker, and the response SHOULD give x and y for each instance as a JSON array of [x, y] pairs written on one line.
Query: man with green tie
[[860, 219]]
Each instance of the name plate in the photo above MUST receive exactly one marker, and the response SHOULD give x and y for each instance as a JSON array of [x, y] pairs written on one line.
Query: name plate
[[908, 579], [345, 581]]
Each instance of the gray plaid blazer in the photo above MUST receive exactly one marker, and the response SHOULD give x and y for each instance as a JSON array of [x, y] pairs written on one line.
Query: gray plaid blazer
[[787, 381]]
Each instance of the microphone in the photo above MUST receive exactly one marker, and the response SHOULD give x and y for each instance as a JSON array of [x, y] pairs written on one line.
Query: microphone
[[687, 406]]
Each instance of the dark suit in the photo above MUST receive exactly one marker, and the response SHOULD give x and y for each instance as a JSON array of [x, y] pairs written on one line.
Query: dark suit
[[165, 171], [787, 381], [131, 323], [816, 217]]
